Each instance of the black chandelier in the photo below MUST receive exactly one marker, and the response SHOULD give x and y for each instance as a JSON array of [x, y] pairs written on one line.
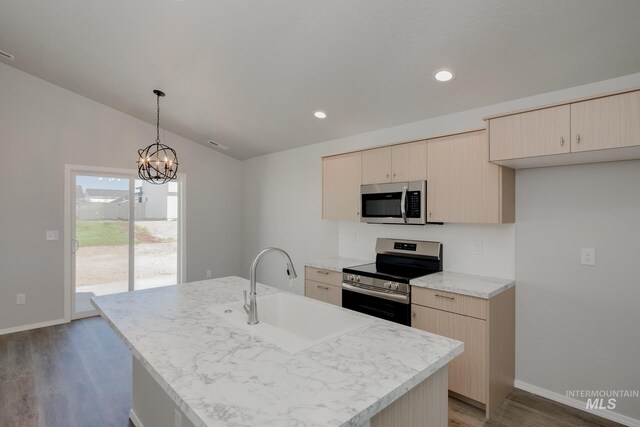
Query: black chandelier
[[158, 163]]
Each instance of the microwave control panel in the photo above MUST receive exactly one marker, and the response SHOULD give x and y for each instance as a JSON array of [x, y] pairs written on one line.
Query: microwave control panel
[[413, 202]]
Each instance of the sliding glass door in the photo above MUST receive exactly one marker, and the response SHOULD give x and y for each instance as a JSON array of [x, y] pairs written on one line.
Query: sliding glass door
[[156, 234], [125, 235]]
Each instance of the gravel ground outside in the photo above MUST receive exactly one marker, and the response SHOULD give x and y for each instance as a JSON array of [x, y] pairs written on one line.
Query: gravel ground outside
[[106, 264]]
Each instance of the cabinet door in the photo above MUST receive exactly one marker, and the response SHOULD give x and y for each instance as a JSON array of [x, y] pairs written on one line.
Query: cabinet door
[[341, 186], [376, 166], [323, 292], [534, 133], [409, 162], [609, 122], [467, 372], [462, 185]]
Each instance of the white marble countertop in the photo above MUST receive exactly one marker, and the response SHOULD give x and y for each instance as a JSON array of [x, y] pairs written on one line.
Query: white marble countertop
[[336, 263], [466, 284], [219, 374]]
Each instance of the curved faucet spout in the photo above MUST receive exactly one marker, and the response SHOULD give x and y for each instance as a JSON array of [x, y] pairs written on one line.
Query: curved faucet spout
[[251, 306]]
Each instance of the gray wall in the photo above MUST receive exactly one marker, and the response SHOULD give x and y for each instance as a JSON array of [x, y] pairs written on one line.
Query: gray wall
[[42, 127], [577, 325]]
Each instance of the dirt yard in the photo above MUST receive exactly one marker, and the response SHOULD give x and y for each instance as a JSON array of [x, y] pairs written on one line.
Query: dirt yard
[[105, 264]]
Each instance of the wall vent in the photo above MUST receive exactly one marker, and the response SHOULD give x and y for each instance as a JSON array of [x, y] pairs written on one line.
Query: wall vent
[[218, 145], [6, 55]]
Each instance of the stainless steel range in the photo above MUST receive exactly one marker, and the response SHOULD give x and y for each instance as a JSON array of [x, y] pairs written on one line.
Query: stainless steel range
[[382, 288]]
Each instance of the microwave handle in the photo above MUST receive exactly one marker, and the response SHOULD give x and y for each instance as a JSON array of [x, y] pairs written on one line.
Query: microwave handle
[[403, 201]]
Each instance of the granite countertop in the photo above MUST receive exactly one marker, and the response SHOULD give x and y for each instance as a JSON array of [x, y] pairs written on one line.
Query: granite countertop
[[336, 263], [466, 284], [220, 374]]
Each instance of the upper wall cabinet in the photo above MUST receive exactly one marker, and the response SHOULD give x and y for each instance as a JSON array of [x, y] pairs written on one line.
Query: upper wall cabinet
[[463, 186], [376, 166], [409, 162], [594, 130], [341, 186], [398, 163], [534, 133], [609, 122]]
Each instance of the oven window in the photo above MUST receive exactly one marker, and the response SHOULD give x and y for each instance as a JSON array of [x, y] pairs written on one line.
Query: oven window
[[381, 205], [378, 307]]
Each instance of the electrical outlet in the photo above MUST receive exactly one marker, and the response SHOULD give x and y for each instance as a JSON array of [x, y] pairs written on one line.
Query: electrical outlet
[[21, 299], [208, 274], [52, 235], [588, 256], [177, 418]]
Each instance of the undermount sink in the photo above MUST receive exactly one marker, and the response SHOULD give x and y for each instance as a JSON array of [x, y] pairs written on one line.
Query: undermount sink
[[294, 322]]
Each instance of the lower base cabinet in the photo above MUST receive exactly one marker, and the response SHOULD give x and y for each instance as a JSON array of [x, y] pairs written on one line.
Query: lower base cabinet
[[323, 285], [323, 292], [471, 331], [485, 371]]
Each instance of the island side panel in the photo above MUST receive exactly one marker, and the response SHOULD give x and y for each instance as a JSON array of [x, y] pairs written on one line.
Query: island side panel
[[152, 406], [425, 405]]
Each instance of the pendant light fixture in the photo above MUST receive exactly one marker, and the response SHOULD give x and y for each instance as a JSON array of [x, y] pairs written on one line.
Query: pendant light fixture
[[158, 163]]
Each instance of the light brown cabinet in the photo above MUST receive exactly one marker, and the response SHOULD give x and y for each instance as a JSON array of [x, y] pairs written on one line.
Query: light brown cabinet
[[609, 122], [397, 163], [463, 186], [341, 177], [409, 162], [600, 129], [534, 133], [467, 372], [323, 285], [485, 371], [376, 166], [323, 292]]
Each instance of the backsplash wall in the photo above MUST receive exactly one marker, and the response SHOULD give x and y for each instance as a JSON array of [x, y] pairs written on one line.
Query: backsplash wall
[[487, 250]]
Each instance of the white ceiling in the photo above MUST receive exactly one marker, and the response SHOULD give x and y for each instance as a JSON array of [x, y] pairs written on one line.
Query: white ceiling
[[250, 74]]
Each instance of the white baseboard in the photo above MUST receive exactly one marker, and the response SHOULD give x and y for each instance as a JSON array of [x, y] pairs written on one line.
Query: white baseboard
[[32, 326], [578, 404], [134, 419]]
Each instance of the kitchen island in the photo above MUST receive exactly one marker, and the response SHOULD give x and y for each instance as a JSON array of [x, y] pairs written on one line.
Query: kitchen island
[[193, 364]]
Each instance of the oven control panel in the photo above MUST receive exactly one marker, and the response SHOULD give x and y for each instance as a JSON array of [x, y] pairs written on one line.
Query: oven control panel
[[405, 246], [373, 283]]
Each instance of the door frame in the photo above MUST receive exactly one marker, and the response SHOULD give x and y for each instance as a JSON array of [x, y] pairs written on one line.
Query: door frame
[[69, 186]]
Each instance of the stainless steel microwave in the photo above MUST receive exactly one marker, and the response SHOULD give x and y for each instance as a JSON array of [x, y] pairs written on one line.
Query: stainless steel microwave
[[395, 203]]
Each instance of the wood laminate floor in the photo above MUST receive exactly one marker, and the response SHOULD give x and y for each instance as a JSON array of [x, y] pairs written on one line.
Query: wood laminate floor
[[79, 374]]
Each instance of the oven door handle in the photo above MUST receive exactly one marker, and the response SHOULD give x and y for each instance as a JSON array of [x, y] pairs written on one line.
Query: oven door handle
[[403, 202], [403, 299]]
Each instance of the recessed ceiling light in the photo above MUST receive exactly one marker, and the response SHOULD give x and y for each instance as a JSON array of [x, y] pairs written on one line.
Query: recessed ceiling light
[[218, 145], [443, 75], [320, 114]]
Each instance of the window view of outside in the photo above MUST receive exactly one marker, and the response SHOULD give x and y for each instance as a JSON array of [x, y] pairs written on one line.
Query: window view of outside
[[102, 231]]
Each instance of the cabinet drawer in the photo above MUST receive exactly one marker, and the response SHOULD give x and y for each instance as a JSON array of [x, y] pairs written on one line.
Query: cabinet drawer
[[323, 276], [323, 292], [454, 303]]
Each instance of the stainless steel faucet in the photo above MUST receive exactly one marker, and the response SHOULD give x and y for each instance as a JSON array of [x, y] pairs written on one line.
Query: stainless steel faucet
[[250, 307]]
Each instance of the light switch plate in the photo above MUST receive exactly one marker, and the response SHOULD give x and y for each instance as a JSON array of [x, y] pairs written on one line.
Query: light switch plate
[[52, 235], [21, 299], [588, 256]]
